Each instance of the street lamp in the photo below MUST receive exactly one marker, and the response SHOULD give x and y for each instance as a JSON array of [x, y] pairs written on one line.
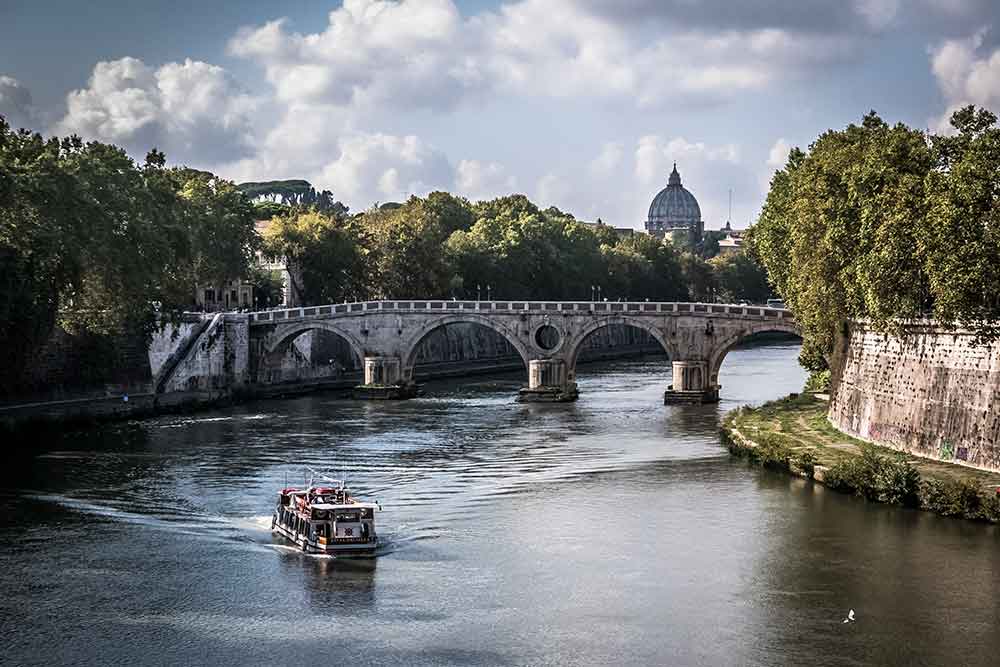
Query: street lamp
[[489, 290], [478, 293], [593, 291]]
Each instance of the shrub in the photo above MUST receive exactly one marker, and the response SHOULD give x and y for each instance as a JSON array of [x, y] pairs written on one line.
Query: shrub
[[771, 452], [805, 461], [887, 479], [959, 498], [818, 381]]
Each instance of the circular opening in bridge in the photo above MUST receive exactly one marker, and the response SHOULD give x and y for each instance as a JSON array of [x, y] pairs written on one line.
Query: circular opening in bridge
[[547, 337]]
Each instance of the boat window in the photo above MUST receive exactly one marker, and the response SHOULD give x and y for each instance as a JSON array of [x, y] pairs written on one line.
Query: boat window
[[321, 530], [346, 517]]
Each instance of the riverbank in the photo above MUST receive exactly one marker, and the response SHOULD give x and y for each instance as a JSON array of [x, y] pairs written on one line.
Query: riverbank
[[793, 434]]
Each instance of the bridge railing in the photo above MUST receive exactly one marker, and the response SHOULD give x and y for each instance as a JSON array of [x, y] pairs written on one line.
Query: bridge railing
[[588, 307]]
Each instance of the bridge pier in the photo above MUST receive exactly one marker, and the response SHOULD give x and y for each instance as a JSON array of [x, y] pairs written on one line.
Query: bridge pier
[[691, 384], [548, 335], [548, 382], [384, 380]]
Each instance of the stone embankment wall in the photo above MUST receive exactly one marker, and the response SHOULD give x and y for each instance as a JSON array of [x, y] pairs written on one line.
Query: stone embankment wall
[[204, 359], [449, 350], [931, 392], [80, 366]]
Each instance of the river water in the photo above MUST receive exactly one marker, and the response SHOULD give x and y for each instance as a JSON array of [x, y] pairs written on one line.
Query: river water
[[610, 531]]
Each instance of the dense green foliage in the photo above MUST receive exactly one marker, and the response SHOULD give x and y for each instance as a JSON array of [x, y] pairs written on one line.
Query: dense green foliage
[[881, 477], [96, 243], [441, 246], [886, 223], [738, 277], [294, 192], [818, 381]]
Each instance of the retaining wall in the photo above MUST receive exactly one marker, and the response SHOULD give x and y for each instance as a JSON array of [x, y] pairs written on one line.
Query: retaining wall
[[931, 392], [205, 359]]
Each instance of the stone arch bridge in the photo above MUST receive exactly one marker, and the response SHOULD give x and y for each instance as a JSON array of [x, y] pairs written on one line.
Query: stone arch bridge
[[548, 335]]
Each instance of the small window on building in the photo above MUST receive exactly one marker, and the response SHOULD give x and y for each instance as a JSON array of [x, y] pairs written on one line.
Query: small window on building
[[209, 295]]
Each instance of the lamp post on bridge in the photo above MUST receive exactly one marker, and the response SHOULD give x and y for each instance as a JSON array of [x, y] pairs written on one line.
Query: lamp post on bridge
[[593, 293], [478, 294], [489, 290]]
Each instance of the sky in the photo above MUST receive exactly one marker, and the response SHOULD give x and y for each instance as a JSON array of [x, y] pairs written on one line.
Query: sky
[[580, 104]]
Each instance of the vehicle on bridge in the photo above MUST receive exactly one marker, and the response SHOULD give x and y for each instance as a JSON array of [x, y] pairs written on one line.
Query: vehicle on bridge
[[324, 518]]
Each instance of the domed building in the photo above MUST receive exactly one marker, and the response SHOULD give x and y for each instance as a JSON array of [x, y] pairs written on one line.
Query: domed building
[[675, 213]]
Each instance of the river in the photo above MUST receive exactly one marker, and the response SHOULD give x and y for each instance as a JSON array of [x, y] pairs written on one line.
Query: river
[[610, 531]]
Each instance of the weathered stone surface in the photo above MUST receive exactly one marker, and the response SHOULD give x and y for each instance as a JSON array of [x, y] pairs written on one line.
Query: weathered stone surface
[[216, 357], [931, 393], [698, 334]]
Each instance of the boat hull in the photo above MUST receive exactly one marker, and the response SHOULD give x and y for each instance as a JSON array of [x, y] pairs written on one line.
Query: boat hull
[[358, 549]]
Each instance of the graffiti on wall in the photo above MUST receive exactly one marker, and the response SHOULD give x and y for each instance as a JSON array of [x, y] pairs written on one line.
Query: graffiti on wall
[[947, 451]]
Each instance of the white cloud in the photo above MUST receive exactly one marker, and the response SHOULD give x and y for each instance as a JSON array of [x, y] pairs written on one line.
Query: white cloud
[[609, 159], [965, 75], [877, 13], [423, 53], [553, 189], [483, 180], [777, 157], [192, 110], [382, 167], [654, 156], [370, 51], [15, 103]]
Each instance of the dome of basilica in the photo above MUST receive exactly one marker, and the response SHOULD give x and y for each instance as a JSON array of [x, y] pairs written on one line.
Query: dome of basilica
[[674, 208]]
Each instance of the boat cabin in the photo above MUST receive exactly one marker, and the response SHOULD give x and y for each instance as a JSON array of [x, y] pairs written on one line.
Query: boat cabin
[[324, 519]]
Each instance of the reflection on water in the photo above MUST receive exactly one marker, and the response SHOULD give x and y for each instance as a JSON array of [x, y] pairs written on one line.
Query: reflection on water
[[610, 531]]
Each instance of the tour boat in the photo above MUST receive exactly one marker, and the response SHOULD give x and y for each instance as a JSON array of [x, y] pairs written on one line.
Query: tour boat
[[323, 518]]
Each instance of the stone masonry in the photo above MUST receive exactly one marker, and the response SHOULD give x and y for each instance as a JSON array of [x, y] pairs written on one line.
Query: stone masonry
[[931, 392]]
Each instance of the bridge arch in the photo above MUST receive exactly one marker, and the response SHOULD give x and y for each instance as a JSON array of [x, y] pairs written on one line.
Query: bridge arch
[[277, 343], [414, 340], [285, 333], [728, 342], [575, 346]]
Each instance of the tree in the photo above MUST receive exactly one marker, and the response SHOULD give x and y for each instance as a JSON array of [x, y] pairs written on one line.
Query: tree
[[404, 251], [294, 192], [840, 233], [324, 258], [962, 241], [125, 259], [37, 249], [219, 223], [100, 245], [739, 278], [267, 286], [452, 213], [698, 277], [523, 252]]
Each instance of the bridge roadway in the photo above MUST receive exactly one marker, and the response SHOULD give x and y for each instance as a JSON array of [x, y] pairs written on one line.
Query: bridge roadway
[[548, 335]]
